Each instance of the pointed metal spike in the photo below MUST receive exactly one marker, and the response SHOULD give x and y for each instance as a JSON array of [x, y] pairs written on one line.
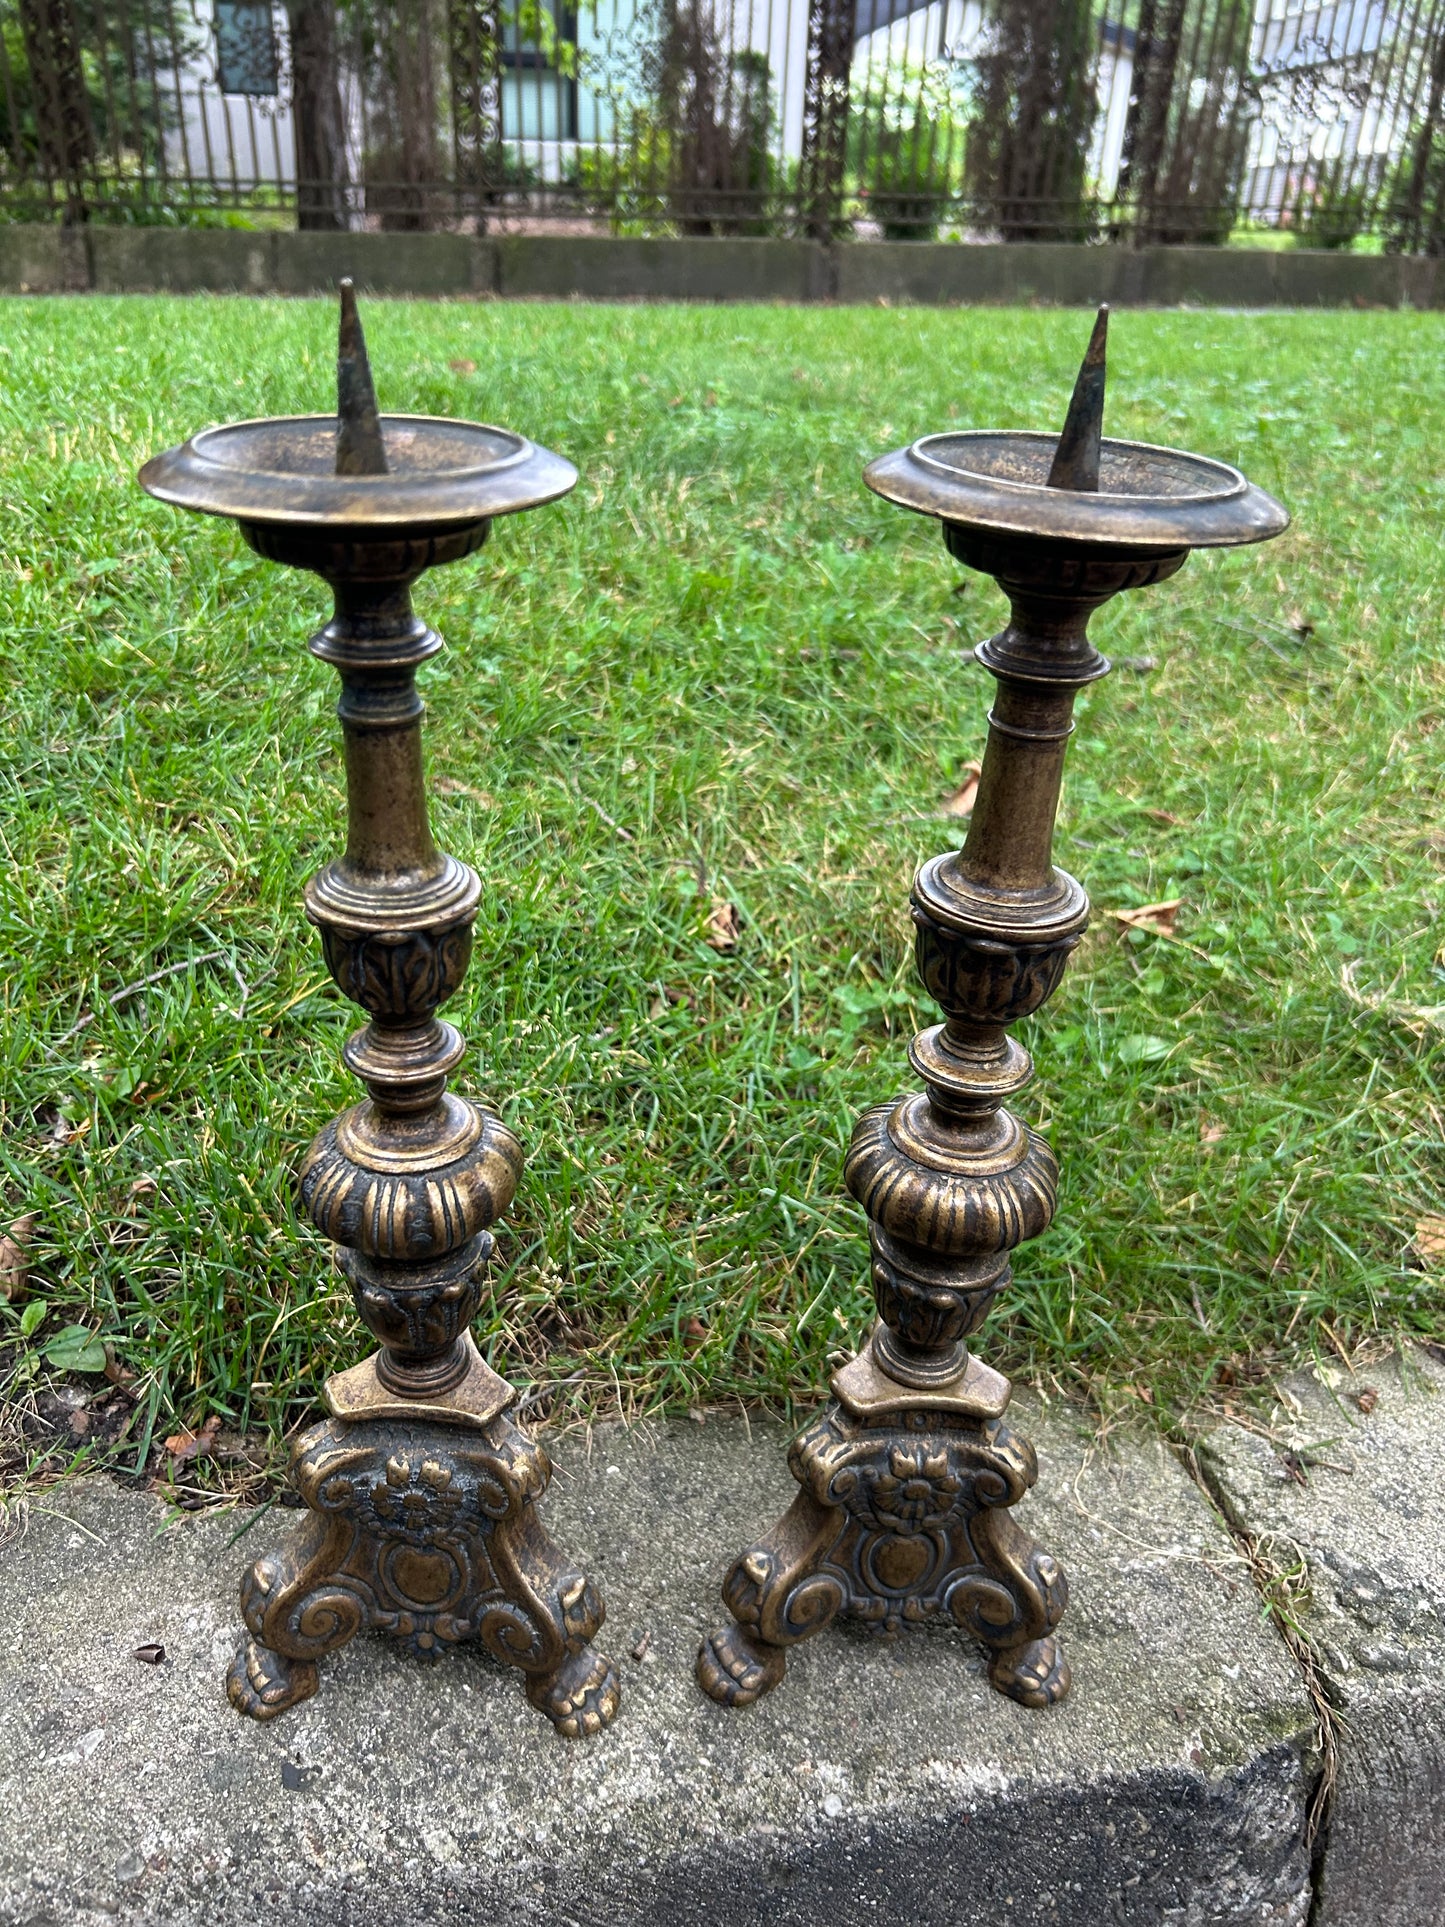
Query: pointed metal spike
[[1076, 459], [359, 447]]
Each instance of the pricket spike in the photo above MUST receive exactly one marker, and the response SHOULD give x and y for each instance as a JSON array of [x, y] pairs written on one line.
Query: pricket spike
[[359, 447], [1076, 459]]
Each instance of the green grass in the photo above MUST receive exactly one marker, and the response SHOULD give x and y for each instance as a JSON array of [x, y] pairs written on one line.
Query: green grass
[[723, 643]]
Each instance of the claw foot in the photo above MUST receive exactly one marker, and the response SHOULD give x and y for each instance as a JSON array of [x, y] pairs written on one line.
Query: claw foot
[[735, 1669], [1034, 1675], [581, 1697], [262, 1683]]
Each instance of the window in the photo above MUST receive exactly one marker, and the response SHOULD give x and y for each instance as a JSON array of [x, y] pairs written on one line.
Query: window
[[246, 48]]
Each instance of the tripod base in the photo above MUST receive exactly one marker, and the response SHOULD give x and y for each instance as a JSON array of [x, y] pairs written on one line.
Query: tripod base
[[898, 1520], [429, 1532]]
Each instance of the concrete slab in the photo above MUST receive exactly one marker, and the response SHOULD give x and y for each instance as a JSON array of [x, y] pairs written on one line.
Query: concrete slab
[[416, 264], [1317, 278], [949, 272], [1231, 277], [1369, 1523], [1420, 281], [878, 1783]]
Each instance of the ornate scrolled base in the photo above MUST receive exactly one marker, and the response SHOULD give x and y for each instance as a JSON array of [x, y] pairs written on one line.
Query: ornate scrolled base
[[430, 1533], [897, 1522]]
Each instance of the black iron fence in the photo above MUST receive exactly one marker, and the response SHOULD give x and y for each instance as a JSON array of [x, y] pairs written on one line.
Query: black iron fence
[[1159, 120]]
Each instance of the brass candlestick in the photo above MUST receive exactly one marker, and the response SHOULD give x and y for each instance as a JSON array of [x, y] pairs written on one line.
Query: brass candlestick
[[422, 1492], [908, 1478]]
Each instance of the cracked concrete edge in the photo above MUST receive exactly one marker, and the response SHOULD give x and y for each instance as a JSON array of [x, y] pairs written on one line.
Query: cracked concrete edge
[[1276, 1586], [1348, 1490], [41, 259]]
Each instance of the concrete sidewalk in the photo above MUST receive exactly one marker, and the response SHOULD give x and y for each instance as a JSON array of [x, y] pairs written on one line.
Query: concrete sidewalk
[[879, 1783]]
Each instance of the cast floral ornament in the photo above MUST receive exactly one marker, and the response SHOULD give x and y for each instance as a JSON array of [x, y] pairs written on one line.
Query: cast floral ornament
[[415, 1503], [916, 1493], [436, 1541], [892, 1532], [986, 980]]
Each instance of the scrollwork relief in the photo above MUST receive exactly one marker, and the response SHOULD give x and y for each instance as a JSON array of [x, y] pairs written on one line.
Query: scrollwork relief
[[893, 1527], [431, 1535]]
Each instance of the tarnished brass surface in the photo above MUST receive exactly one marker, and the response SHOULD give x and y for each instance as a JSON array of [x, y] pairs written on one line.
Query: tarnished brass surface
[[906, 1482], [865, 1390], [430, 1533], [478, 1397], [424, 1491]]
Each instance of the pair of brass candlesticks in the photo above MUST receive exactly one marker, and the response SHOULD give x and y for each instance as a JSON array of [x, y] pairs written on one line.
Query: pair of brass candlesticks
[[422, 1492]]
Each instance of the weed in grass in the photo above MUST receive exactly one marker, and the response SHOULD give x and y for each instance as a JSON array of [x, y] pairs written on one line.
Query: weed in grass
[[722, 673]]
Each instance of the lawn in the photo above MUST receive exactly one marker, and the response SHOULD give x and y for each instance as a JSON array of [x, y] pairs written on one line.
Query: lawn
[[723, 673]]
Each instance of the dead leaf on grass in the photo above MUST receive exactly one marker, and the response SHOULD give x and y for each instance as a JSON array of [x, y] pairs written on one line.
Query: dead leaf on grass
[[186, 1445], [450, 786], [1209, 1131], [115, 1372], [1429, 1241], [724, 925], [966, 795], [1416, 1018], [14, 1257], [1157, 919], [462, 366]]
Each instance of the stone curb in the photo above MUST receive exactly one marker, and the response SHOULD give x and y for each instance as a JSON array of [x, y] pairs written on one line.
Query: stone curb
[[54, 260], [1358, 1496], [879, 1783]]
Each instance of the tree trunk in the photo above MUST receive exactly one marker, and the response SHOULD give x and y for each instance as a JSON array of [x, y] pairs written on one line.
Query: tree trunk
[[321, 174], [65, 135], [1421, 230]]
